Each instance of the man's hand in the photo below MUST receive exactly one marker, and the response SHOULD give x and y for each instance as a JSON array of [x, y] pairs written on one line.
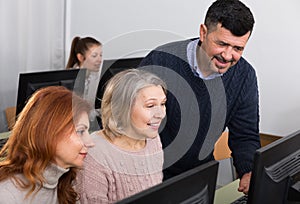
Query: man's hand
[[245, 183]]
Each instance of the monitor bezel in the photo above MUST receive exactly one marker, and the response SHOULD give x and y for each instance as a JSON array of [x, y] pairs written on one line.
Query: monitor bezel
[[182, 186], [261, 189], [78, 75]]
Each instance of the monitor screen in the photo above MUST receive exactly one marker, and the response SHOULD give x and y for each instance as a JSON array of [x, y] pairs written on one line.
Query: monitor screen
[[110, 68], [275, 176], [194, 186], [72, 79]]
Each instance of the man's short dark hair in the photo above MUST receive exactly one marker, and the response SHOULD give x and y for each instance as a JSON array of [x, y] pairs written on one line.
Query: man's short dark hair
[[232, 15]]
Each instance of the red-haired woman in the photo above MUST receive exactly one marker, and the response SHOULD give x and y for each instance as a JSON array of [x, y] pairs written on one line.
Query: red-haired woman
[[48, 142]]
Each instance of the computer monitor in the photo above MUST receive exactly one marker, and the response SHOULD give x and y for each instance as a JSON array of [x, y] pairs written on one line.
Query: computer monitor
[[73, 79], [194, 186], [111, 67], [275, 176]]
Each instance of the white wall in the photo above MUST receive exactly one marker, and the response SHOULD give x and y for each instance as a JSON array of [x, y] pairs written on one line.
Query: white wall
[[31, 39], [133, 27]]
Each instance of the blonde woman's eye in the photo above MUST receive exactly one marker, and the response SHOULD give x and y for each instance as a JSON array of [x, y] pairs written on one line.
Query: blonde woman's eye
[[150, 106]]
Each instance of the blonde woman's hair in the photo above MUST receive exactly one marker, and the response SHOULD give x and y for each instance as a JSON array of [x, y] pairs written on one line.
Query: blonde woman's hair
[[119, 96]]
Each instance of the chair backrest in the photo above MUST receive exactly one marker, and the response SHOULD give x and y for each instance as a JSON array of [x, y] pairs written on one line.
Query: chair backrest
[[10, 113], [222, 150], [222, 153]]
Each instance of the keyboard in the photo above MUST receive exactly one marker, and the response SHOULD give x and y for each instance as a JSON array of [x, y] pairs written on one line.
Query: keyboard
[[241, 200]]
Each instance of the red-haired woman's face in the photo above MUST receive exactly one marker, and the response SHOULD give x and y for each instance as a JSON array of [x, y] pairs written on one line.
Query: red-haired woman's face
[[72, 149]]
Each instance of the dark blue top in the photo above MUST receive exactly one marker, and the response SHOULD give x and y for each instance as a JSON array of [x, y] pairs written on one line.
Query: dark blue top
[[199, 110]]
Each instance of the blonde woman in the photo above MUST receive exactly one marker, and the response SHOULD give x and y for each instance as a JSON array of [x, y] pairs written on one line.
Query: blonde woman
[[128, 156]]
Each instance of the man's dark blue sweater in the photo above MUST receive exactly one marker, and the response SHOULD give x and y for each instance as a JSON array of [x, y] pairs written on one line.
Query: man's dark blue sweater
[[198, 111]]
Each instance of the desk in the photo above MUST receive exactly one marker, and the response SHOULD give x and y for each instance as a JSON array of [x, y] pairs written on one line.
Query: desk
[[228, 193]]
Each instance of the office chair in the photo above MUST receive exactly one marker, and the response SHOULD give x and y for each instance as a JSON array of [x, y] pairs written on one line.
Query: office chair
[[222, 153]]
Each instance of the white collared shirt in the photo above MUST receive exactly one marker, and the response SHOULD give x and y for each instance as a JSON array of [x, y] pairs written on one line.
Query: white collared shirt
[[192, 59]]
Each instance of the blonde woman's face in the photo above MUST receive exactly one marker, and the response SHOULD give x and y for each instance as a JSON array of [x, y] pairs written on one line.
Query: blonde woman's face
[[148, 112], [93, 59], [72, 149]]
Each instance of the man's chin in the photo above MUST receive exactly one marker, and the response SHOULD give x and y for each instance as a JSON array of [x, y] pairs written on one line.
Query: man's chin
[[222, 70]]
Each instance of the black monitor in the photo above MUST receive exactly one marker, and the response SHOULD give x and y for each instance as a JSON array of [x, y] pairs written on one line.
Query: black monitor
[[275, 176], [194, 186], [111, 67], [73, 79]]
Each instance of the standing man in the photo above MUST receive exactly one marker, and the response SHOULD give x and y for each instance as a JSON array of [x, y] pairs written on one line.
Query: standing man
[[211, 87]]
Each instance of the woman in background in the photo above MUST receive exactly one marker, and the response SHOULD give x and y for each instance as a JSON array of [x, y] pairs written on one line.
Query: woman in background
[[48, 142], [87, 53], [128, 156]]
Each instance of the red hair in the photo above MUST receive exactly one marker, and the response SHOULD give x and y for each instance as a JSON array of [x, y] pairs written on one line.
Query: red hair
[[48, 117]]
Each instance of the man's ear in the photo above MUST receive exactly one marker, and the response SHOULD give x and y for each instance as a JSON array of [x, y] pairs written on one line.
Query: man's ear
[[203, 32]]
